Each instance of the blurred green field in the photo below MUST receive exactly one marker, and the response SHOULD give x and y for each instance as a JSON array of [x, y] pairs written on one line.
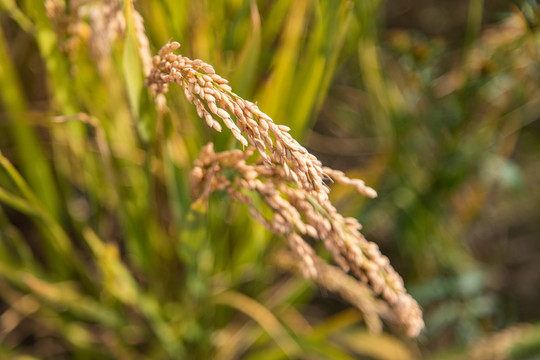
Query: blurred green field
[[435, 104]]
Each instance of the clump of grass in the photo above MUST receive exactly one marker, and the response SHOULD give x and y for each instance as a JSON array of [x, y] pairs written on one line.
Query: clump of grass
[[285, 177]]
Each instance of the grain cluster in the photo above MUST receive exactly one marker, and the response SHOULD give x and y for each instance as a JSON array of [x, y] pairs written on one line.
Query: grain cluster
[[289, 181], [213, 98]]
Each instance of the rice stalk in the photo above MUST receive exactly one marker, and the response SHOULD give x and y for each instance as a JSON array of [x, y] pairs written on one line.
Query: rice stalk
[[298, 216], [289, 180]]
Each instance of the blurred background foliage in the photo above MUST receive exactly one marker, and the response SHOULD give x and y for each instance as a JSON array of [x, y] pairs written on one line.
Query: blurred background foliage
[[434, 103]]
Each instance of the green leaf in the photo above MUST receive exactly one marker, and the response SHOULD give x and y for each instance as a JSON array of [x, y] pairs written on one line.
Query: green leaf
[[132, 64]]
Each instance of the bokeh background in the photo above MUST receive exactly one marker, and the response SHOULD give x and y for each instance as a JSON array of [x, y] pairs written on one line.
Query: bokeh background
[[435, 104]]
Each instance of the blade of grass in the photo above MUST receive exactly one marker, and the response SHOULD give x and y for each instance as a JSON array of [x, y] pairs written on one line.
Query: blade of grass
[[14, 250], [10, 6], [382, 347], [31, 155], [278, 88], [263, 317], [132, 65], [31, 205], [244, 80], [119, 283], [60, 295]]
